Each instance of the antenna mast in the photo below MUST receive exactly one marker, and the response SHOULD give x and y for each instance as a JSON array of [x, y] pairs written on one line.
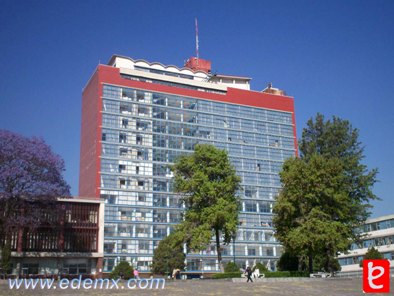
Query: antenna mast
[[197, 40]]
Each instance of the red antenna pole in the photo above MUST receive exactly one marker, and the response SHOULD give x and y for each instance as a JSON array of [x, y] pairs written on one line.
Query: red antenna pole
[[197, 39]]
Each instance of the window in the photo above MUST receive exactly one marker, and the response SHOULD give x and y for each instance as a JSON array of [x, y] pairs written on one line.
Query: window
[[252, 252], [141, 197], [137, 170], [104, 137], [140, 154], [30, 268], [125, 123], [122, 138], [250, 206], [122, 168], [141, 183], [123, 151], [139, 139]]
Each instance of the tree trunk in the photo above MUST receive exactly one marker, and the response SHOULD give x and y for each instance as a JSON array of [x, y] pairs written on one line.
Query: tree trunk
[[6, 255], [310, 257], [218, 250]]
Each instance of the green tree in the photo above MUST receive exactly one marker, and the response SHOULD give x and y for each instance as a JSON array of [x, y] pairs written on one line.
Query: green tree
[[372, 253], [337, 138], [122, 270], [326, 193], [288, 262], [168, 256], [261, 267], [231, 267], [208, 184]]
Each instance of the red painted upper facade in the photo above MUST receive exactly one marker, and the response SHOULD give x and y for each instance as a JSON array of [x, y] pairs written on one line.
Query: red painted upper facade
[[89, 182]]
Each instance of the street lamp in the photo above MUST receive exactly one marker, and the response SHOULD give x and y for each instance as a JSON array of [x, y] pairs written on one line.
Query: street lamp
[[202, 268], [234, 236]]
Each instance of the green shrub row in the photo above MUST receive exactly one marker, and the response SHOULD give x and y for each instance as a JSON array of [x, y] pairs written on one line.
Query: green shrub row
[[268, 274], [279, 274], [227, 275]]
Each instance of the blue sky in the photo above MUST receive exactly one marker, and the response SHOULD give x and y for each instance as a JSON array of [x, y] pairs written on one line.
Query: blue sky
[[334, 57]]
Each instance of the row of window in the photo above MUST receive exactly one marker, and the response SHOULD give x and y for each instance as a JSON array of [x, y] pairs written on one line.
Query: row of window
[[141, 199], [173, 200], [143, 181], [374, 242], [203, 105], [180, 144], [357, 259], [215, 134], [386, 224], [132, 215], [124, 116]]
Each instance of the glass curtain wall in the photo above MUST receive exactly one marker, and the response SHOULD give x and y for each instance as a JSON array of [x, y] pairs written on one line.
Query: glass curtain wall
[[143, 132]]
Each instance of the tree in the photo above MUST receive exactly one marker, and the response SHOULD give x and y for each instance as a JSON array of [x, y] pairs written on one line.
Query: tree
[[371, 254], [168, 256], [123, 270], [325, 194], [208, 184], [261, 267], [231, 267], [288, 262], [337, 138], [30, 180]]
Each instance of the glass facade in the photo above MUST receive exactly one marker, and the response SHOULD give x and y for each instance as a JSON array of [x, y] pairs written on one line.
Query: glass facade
[[143, 132], [379, 235]]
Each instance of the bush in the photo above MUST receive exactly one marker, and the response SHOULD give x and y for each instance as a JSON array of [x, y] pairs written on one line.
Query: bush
[[123, 268], [277, 274], [168, 256], [261, 267], [227, 275], [372, 253], [288, 262], [231, 267], [281, 274]]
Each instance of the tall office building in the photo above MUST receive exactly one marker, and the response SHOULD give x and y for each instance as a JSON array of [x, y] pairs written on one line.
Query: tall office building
[[138, 117]]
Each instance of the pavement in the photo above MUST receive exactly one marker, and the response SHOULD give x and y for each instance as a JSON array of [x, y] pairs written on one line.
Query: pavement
[[305, 287]]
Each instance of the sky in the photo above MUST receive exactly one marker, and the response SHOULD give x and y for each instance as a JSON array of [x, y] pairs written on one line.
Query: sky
[[333, 57]]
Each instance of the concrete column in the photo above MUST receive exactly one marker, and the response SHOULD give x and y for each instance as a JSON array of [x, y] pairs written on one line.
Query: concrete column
[[99, 268], [19, 247]]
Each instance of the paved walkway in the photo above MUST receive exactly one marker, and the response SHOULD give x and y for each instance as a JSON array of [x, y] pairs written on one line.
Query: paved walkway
[[312, 287]]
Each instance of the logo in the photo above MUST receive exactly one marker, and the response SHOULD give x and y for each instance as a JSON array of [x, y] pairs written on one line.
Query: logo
[[376, 276]]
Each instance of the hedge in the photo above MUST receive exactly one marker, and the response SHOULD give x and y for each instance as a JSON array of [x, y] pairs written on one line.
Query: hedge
[[227, 275], [268, 274], [279, 274]]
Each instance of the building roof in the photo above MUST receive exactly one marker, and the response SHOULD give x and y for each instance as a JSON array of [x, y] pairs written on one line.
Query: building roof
[[232, 76]]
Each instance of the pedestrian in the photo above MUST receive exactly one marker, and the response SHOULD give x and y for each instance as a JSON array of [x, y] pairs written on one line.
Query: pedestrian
[[248, 272], [136, 274]]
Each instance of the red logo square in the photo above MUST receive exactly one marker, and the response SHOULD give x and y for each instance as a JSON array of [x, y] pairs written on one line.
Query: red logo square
[[376, 276]]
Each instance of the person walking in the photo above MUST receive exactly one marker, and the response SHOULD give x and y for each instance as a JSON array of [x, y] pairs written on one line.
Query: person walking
[[248, 272], [136, 274]]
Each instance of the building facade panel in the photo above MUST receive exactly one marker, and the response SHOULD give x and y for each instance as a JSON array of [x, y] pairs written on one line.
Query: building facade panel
[[377, 233], [67, 241]]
